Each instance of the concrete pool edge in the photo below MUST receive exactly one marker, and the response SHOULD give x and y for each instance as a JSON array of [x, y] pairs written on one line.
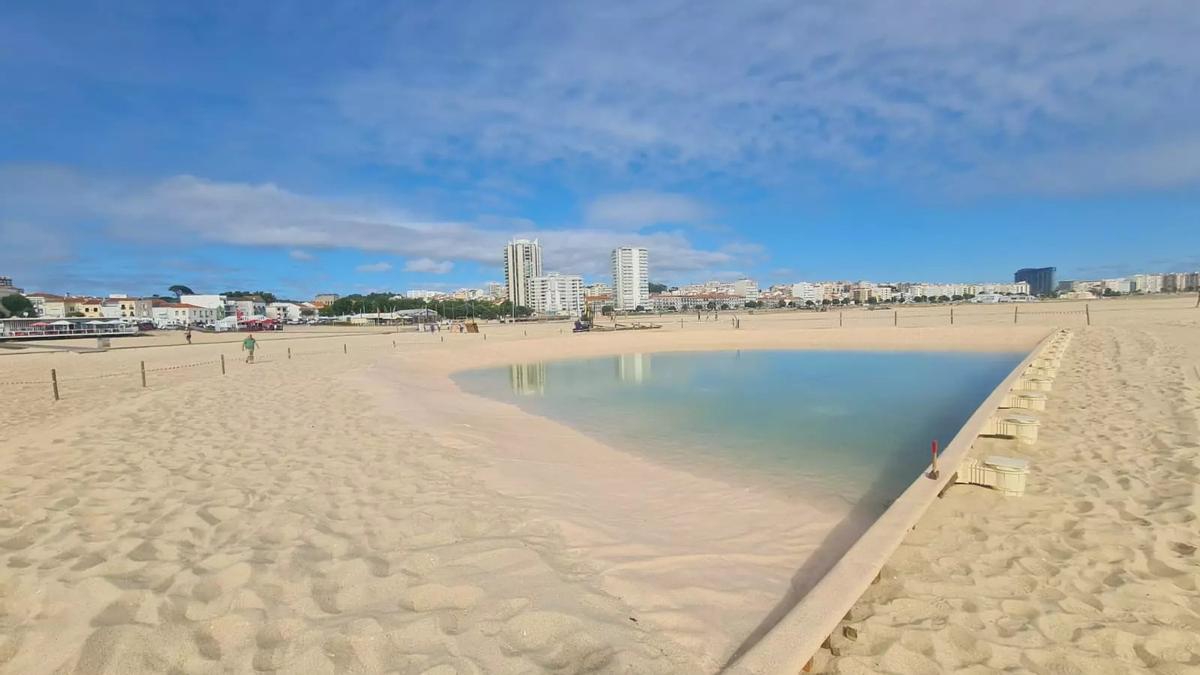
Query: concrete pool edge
[[790, 644]]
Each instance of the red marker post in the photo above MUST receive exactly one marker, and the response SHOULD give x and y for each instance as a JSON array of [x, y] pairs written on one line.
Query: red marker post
[[933, 472]]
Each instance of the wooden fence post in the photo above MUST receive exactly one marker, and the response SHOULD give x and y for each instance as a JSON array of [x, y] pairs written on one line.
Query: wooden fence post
[[344, 350], [143, 374], [289, 353], [896, 317], [951, 316], [1015, 308], [222, 364], [1087, 311], [839, 319], [54, 382]]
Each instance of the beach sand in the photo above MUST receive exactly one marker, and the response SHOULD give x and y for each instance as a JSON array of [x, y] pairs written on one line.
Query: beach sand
[[349, 510], [1096, 569]]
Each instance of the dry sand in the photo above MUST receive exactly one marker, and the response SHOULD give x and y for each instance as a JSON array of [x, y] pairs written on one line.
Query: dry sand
[[354, 512], [1096, 568]]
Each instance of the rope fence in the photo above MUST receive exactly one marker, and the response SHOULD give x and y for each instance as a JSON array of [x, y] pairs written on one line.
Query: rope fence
[[953, 315], [55, 383]]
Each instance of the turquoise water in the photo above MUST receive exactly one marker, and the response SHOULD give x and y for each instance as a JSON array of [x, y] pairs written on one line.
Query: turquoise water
[[851, 427]]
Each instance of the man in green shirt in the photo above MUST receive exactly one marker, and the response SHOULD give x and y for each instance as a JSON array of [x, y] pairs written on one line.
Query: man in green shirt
[[248, 345]]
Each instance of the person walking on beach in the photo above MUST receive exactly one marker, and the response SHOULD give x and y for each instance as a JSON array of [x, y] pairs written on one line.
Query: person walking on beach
[[187, 334], [248, 345]]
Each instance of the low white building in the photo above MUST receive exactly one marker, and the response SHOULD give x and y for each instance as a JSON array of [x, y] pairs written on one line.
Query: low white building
[[211, 301], [182, 314], [289, 311], [556, 295], [246, 308]]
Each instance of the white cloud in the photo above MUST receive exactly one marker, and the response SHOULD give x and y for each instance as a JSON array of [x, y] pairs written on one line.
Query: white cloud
[[265, 214], [374, 267], [429, 266], [912, 93], [301, 255], [641, 208]]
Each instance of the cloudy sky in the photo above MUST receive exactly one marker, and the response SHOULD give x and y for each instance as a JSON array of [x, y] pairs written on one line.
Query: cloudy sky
[[347, 146]]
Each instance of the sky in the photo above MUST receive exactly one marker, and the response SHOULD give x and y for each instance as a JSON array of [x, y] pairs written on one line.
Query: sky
[[307, 147]]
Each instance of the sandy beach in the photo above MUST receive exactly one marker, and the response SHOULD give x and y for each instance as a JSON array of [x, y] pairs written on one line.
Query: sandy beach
[[348, 509]]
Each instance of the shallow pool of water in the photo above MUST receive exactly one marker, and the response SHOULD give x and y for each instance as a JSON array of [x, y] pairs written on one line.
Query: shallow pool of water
[[848, 428]]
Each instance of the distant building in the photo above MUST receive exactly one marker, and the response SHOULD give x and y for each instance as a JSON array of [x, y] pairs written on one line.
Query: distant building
[[420, 294], [326, 298], [804, 293], [182, 314], [211, 301], [1040, 279], [522, 262], [494, 290], [289, 311], [556, 295], [746, 288], [595, 304], [7, 288], [245, 307], [598, 288], [631, 278]]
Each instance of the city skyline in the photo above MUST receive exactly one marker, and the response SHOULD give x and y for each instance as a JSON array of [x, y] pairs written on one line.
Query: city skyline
[[807, 144]]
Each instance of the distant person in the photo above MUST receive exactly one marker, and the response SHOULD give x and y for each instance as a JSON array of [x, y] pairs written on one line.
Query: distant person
[[187, 334], [249, 344]]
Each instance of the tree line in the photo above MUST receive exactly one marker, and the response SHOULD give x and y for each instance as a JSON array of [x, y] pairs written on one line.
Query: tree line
[[451, 309]]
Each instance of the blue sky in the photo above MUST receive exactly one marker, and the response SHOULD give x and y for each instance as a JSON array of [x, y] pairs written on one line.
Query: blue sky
[[346, 146]]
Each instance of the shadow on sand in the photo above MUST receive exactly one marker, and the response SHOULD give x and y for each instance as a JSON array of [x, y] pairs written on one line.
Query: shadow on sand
[[828, 553]]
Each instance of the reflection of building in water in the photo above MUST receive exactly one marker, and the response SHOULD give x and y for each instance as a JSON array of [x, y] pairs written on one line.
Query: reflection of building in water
[[527, 378], [633, 367]]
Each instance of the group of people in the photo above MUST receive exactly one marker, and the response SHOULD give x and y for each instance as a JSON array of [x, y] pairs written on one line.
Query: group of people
[[248, 345]]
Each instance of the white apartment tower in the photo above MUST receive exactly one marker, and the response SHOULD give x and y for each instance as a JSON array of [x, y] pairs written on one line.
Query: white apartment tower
[[556, 295], [522, 262], [631, 278]]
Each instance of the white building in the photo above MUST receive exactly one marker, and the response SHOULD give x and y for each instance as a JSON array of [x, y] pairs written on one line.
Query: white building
[[804, 293], [182, 314], [289, 311], [556, 295], [494, 290], [1119, 285], [631, 278], [746, 288], [245, 308], [1147, 283], [209, 301], [598, 288], [522, 262], [420, 294]]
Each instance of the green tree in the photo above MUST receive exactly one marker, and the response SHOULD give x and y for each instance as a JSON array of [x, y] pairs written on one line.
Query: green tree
[[810, 304], [658, 288], [267, 296], [872, 300], [607, 310], [181, 290], [17, 305]]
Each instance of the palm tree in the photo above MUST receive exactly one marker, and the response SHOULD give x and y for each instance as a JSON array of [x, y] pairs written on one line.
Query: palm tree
[[180, 290]]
